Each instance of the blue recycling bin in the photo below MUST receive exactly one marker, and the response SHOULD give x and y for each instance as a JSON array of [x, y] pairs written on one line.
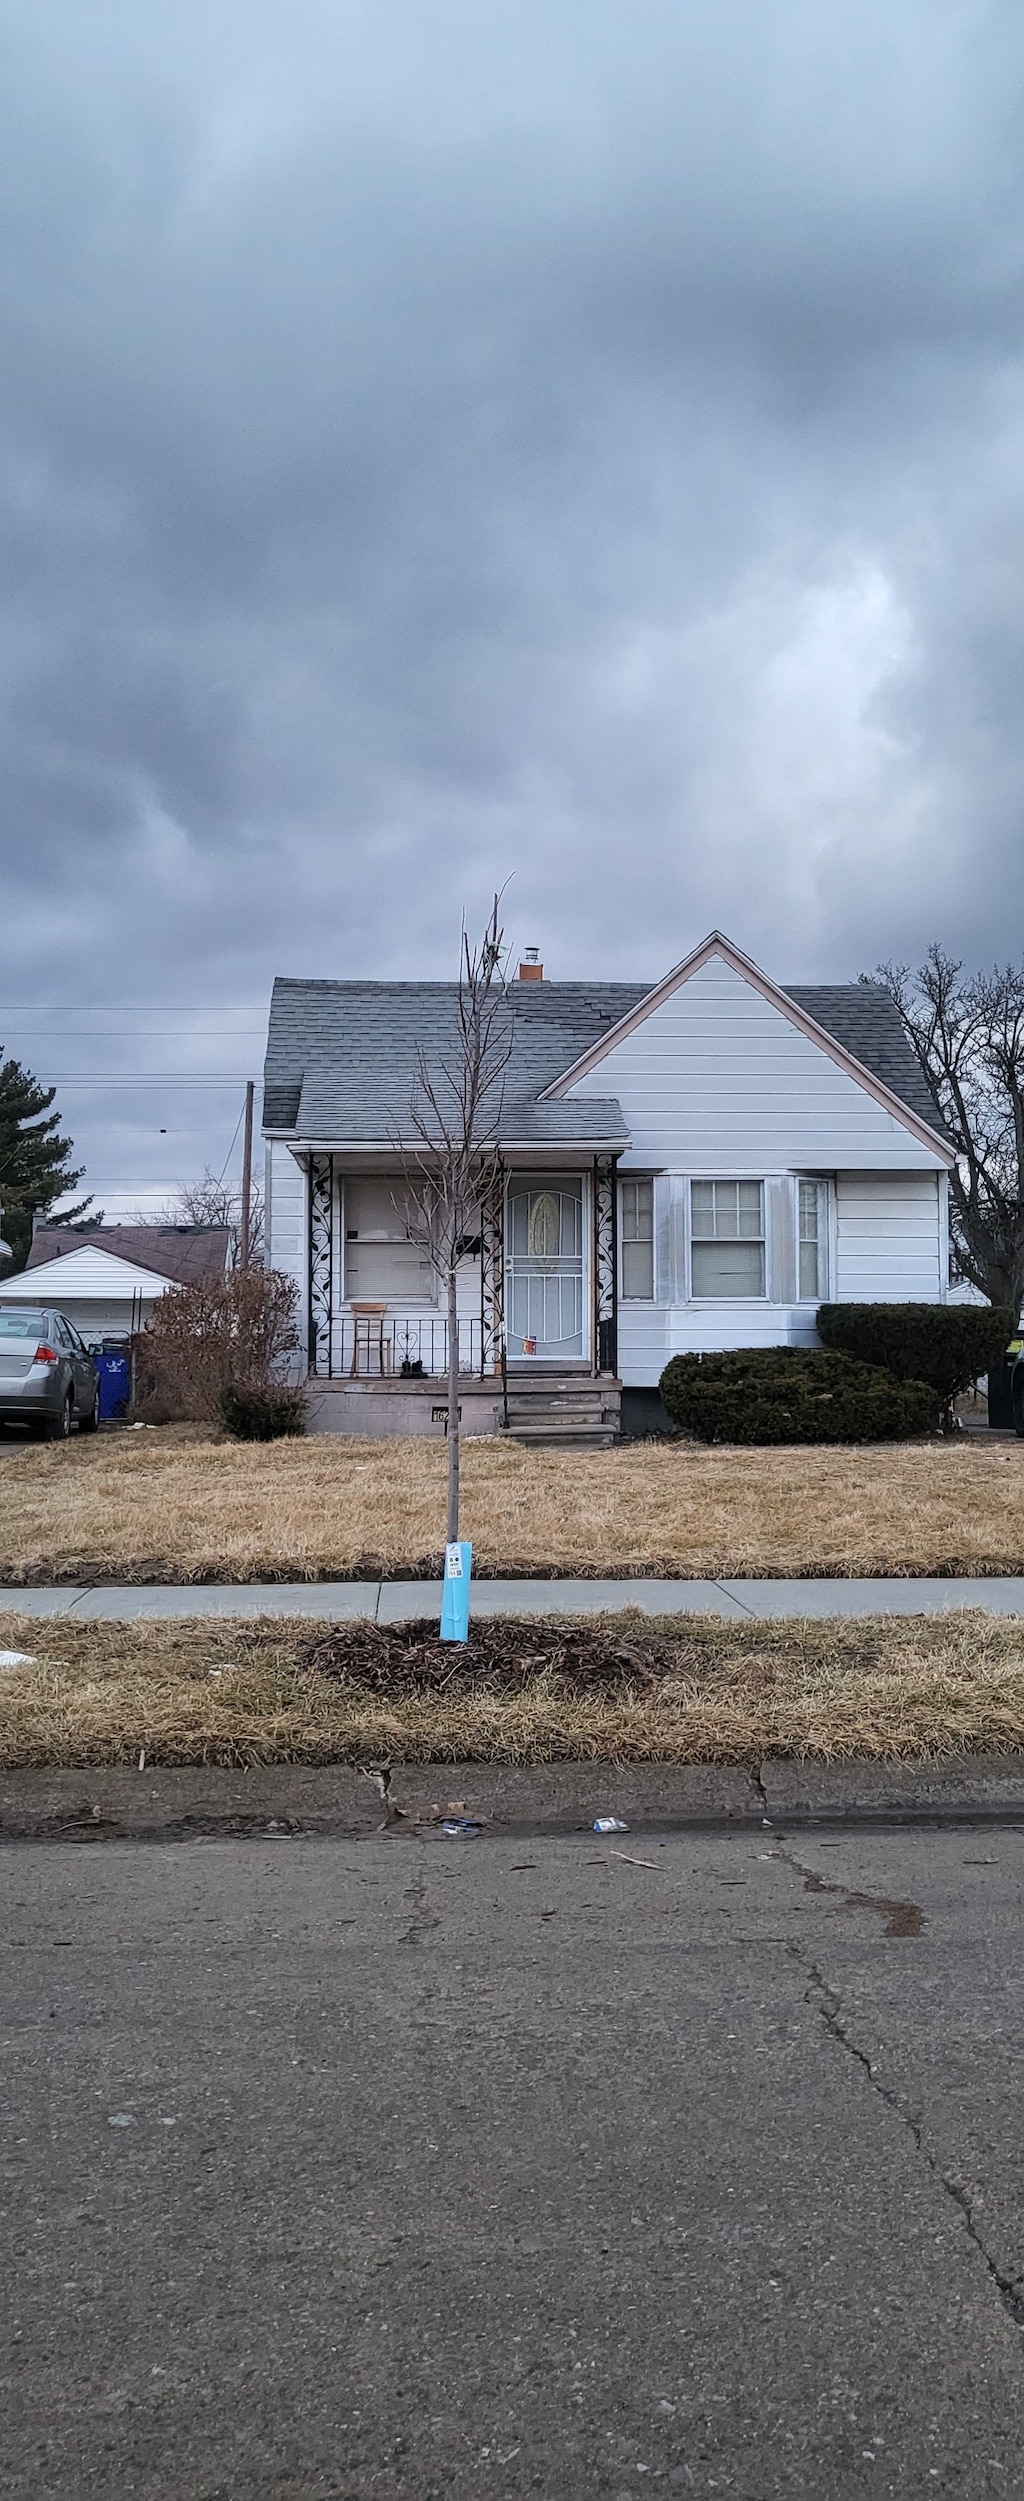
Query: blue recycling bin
[[115, 1373]]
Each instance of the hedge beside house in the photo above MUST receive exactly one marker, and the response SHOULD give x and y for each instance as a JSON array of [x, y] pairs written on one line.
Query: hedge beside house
[[792, 1394], [949, 1345]]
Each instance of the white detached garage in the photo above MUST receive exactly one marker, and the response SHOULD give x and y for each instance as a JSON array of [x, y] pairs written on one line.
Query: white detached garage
[[109, 1278]]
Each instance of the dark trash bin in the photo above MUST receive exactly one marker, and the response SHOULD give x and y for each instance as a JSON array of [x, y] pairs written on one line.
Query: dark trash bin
[[1000, 1390], [115, 1373]]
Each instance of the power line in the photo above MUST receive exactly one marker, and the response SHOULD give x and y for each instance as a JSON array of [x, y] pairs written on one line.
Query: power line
[[115, 1077], [132, 1180], [231, 1149], [118, 1033], [158, 1009]]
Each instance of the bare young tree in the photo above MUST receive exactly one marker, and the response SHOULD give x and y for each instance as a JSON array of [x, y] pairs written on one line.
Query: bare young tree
[[453, 1167], [967, 1032], [213, 1201]]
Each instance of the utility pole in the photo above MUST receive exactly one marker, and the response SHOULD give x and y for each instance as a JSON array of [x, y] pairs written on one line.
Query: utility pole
[[247, 1176]]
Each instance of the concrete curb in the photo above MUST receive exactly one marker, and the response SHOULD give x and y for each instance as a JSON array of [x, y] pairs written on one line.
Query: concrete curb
[[290, 1802]]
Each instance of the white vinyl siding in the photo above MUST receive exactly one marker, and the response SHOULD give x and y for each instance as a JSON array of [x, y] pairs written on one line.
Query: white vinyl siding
[[718, 1080], [286, 1188], [727, 1241], [888, 1239], [637, 1227], [286, 1199]]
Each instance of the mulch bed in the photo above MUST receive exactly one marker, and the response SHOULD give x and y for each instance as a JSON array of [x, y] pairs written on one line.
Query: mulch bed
[[502, 1656], [506, 1655]]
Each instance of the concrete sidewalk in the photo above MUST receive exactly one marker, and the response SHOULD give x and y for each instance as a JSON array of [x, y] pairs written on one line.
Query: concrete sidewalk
[[395, 1602]]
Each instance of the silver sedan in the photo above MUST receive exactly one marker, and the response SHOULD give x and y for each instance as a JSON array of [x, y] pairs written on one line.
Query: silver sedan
[[46, 1376]]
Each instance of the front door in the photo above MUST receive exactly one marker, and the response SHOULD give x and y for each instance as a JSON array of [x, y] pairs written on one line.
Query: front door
[[545, 1301]]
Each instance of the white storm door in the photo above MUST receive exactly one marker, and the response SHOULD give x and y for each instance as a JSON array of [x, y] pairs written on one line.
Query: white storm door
[[546, 1298]]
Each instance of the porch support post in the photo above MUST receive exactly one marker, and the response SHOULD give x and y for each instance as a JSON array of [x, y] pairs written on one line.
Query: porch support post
[[606, 1265], [321, 1264], [492, 1277]]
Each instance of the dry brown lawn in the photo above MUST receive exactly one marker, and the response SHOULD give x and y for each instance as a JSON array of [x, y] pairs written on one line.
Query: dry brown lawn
[[157, 1506], [233, 1694]]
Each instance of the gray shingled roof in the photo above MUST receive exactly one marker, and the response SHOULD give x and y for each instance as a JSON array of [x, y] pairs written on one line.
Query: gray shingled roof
[[342, 1056], [862, 1016]]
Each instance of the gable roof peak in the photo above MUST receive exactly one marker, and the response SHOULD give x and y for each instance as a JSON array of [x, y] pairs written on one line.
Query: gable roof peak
[[798, 1007]]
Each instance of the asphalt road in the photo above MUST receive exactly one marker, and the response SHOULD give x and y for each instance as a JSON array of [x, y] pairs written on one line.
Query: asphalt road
[[413, 2167]]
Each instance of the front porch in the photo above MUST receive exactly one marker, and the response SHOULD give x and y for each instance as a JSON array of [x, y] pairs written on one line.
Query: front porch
[[545, 1408], [537, 1306]]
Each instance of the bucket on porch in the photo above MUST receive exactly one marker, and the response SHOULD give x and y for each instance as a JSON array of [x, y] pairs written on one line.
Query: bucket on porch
[[529, 1345]]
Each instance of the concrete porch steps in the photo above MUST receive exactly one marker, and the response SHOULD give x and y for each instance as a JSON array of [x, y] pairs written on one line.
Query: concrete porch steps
[[567, 1413]]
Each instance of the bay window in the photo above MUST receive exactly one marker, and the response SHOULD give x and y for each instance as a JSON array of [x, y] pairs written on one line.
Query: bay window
[[727, 1240]]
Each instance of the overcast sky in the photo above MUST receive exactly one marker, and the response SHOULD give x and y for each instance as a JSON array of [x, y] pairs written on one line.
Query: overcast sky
[[443, 441]]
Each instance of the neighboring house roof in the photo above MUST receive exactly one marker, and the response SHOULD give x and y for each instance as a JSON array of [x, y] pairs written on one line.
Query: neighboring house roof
[[85, 1276], [184, 1254], [343, 1056]]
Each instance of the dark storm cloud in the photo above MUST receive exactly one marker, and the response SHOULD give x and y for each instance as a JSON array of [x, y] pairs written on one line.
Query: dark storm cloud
[[439, 441]]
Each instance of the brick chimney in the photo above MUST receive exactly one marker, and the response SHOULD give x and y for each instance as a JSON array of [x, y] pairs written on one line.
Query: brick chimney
[[530, 969]]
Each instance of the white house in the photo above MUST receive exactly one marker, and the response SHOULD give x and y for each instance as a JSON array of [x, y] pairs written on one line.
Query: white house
[[107, 1279], [696, 1165]]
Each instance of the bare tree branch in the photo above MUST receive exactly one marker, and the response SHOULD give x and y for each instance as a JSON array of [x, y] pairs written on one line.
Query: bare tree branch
[[967, 1033], [211, 1201]]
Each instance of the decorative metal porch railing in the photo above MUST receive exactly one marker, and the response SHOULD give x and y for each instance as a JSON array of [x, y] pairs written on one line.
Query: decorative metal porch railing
[[379, 1346]]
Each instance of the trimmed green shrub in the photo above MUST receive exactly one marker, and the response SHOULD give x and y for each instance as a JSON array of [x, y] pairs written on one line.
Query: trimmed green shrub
[[792, 1394], [262, 1415], [949, 1345]]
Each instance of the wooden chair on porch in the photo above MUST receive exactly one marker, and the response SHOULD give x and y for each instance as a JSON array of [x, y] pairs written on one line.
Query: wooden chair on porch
[[367, 1322]]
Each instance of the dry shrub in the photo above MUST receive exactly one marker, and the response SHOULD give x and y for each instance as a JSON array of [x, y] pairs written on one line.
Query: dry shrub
[[204, 1338]]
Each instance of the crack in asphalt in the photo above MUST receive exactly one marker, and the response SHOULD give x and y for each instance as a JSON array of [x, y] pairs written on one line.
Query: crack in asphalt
[[424, 1917], [902, 1919], [828, 2004]]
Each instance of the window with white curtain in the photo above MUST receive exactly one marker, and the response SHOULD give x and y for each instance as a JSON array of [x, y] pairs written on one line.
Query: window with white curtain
[[726, 1239], [812, 1251], [382, 1261], [636, 1202]]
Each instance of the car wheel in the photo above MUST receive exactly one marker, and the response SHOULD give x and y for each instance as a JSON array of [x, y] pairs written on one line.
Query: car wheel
[[91, 1423], [59, 1426]]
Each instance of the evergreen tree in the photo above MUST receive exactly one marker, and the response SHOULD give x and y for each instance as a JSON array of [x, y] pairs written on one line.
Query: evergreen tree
[[35, 1166]]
